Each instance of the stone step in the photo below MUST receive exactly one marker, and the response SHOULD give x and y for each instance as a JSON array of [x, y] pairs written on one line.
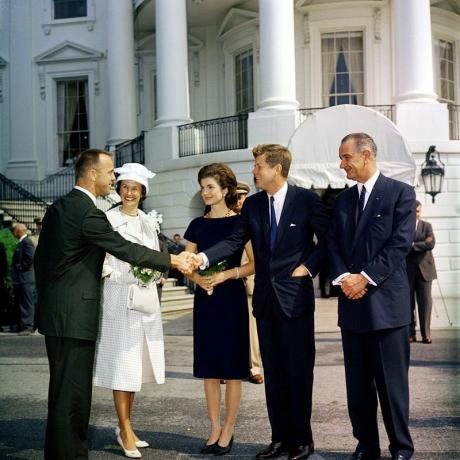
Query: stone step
[[170, 282], [176, 303], [173, 291]]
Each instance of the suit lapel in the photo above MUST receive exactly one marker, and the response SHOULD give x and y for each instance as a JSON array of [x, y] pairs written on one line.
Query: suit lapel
[[373, 204], [286, 213]]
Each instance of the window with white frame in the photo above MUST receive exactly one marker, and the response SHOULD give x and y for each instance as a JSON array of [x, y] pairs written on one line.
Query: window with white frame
[[244, 82], [72, 118], [446, 73], [342, 56], [65, 9]]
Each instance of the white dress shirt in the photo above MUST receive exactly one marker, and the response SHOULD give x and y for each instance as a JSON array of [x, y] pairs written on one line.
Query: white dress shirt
[[93, 198], [279, 198], [369, 184]]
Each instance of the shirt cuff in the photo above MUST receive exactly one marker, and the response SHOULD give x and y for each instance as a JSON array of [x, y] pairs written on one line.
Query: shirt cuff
[[205, 259], [338, 280], [371, 281]]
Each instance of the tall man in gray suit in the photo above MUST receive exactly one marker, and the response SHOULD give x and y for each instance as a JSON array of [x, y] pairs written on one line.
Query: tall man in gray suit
[[372, 231], [421, 272], [68, 265]]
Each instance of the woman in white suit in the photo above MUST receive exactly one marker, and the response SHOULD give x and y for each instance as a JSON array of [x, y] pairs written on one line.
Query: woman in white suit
[[130, 348]]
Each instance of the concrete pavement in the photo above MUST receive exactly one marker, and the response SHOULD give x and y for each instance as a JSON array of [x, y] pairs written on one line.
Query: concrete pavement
[[172, 417]]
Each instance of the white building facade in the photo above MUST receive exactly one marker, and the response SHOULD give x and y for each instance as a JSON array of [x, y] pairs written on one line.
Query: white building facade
[[92, 73]]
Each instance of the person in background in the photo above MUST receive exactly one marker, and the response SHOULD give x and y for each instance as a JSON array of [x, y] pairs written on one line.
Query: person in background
[[23, 278], [421, 271], [255, 365], [220, 312], [3, 291], [163, 248], [36, 234], [176, 248]]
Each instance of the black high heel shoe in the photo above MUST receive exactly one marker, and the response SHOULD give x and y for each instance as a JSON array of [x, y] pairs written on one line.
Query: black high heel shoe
[[208, 448], [222, 450]]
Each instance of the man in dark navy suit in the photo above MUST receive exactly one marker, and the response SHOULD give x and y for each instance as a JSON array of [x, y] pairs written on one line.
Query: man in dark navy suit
[[281, 221], [372, 231]]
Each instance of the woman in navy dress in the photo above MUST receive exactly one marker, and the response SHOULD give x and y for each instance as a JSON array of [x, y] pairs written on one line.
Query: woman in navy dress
[[220, 321]]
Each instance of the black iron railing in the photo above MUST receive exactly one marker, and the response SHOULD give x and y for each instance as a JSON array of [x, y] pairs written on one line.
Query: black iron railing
[[219, 134], [454, 121], [386, 110], [19, 203], [51, 187], [132, 151]]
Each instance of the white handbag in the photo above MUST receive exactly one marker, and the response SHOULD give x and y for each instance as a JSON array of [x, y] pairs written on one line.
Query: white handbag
[[143, 298]]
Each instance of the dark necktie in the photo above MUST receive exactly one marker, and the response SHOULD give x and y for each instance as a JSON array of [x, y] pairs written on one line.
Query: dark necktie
[[362, 197], [273, 224]]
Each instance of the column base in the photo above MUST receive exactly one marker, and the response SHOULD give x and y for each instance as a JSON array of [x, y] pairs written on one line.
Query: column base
[[275, 103], [271, 126], [167, 122], [423, 121], [161, 143]]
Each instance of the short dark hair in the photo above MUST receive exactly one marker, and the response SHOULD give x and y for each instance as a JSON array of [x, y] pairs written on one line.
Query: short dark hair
[[275, 154], [176, 234], [143, 190], [225, 177], [87, 160], [417, 204], [362, 141]]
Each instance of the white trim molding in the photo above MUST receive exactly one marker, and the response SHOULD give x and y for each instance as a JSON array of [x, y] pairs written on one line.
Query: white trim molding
[[65, 53], [48, 22]]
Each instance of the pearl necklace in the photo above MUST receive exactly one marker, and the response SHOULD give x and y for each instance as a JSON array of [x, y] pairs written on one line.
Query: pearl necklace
[[227, 213]]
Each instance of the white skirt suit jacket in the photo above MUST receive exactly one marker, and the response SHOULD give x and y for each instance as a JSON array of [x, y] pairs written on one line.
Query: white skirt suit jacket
[[130, 346]]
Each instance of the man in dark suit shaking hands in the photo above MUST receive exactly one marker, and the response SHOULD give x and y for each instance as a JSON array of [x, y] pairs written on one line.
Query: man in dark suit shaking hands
[[372, 231], [281, 221], [68, 265]]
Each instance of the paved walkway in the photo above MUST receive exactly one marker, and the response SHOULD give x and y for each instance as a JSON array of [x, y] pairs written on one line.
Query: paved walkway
[[172, 417]]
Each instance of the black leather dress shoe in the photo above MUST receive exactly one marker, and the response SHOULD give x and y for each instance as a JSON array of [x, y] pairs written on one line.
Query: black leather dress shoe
[[399, 457], [222, 450], [363, 456], [301, 452], [274, 450]]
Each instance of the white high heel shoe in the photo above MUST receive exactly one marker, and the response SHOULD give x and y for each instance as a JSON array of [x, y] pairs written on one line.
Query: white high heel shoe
[[128, 453], [140, 444]]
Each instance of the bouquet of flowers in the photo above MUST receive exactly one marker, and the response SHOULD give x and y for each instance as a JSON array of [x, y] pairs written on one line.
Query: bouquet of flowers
[[220, 267], [156, 218], [145, 275]]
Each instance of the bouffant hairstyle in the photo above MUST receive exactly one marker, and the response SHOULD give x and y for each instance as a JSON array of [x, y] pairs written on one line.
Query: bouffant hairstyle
[[275, 154], [143, 190], [225, 177]]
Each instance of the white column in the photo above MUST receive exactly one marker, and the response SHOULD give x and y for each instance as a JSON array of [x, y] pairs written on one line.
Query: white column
[[171, 61], [277, 55], [413, 51], [419, 116], [120, 71]]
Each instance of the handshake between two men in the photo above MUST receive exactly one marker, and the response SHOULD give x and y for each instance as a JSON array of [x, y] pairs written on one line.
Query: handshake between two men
[[186, 262]]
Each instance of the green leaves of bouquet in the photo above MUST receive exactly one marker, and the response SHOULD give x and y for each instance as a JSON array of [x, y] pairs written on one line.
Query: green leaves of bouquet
[[220, 267], [145, 275]]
